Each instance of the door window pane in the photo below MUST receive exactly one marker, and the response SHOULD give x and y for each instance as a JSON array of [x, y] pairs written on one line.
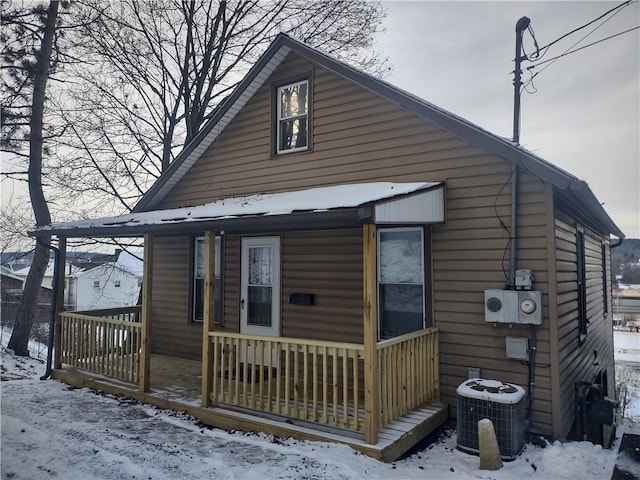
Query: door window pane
[[260, 265], [259, 287], [259, 308]]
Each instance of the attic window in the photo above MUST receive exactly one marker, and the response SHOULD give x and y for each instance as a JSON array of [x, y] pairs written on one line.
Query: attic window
[[292, 117]]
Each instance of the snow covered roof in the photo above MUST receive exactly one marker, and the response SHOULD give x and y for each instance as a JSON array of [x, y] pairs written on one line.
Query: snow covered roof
[[131, 262], [344, 204]]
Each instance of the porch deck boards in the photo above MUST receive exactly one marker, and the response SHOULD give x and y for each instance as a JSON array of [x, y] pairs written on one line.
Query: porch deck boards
[[176, 383]]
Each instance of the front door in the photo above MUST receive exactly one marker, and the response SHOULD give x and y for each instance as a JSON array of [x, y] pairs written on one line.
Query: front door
[[260, 286]]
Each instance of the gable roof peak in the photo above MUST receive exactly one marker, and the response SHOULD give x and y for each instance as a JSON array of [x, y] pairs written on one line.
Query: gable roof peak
[[280, 48]]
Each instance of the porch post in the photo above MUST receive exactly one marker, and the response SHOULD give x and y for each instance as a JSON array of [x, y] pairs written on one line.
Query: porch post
[[208, 315], [147, 279], [370, 314], [59, 303]]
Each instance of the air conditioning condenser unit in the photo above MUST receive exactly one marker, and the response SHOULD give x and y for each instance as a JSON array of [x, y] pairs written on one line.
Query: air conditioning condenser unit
[[502, 403]]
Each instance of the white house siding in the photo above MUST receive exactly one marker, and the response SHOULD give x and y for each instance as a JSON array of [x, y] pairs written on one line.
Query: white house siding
[[107, 295]]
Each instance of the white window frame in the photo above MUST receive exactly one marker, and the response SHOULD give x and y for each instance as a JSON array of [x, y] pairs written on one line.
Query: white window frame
[[280, 119], [217, 276], [422, 262]]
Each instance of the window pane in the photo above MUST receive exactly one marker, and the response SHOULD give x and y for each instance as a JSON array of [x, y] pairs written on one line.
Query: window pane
[[401, 256], [293, 133], [198, 280], [293, 100], [260, 265], [259, 312], [198, 311], [199, 255], [198, 308], [401, 309]]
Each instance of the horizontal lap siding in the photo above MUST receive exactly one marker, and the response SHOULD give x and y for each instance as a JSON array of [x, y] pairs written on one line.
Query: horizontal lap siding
[[171, 331], [359, 136], [580, 361], [328, 265], [469, 255]]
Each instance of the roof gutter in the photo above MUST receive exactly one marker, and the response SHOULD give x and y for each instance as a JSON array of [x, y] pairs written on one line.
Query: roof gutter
[[308, 220]]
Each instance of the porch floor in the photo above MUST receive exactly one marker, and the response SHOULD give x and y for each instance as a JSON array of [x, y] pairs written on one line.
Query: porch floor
[[175, 383]]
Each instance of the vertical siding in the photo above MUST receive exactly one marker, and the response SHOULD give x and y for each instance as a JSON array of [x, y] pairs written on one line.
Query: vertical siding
[[361, 137], [580, 361]]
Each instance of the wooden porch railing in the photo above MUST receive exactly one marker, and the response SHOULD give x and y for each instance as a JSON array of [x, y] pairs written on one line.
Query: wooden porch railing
[[323, 382], [316, 381], [408, 369], [106, 342]]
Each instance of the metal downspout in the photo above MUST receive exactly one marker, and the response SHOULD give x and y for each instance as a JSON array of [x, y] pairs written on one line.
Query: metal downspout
[[521, 26]]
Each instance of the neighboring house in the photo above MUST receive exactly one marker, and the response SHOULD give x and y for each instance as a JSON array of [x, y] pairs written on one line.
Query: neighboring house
[[323, 249], [626, 309], [97, 281], [11, 287]]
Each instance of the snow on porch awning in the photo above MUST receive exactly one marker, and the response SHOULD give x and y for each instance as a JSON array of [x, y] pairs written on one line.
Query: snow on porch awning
[[314, 208]]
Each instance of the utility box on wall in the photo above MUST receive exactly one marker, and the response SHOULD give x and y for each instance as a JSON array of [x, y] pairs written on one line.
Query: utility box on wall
[[513, 306]]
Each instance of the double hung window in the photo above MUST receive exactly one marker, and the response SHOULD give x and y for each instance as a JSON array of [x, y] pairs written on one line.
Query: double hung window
[[401, 281], [292, 131], [198, 281]]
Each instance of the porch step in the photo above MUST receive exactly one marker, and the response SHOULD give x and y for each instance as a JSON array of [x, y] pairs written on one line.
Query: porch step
[[394, 439]]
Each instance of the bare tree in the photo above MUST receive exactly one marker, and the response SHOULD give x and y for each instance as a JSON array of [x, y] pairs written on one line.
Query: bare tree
[[144, 77], [26, 65], [157, 70]]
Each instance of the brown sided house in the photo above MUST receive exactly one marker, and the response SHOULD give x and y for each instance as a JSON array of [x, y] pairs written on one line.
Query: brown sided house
[[332, 256]]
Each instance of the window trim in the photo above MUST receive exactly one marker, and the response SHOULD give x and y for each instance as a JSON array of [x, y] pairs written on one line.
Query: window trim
[[275, 113], [192, 281], [581, 280], [425, 236], [605, 282]]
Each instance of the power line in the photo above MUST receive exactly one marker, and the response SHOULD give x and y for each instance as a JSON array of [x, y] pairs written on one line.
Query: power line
[[622, 5], [583, 47], [568, 50]]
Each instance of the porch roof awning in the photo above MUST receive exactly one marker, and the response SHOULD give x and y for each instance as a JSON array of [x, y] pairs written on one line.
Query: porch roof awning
[[337, 206]]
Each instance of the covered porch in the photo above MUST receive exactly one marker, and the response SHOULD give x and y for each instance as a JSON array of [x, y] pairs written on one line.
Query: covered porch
[[381, 396], [314, 390]]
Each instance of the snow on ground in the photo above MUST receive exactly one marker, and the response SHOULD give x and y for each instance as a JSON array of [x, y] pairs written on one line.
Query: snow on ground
[[52, 430]]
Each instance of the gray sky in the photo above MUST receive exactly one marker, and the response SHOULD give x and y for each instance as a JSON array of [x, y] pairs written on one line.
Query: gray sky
[[585, 115]]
